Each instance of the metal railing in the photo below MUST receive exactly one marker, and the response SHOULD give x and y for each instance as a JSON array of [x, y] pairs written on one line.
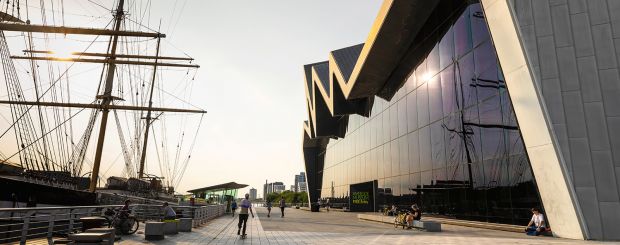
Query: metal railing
[[22, 224]]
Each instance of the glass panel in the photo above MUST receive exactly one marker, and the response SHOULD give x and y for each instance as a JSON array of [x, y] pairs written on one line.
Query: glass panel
[[424, 145], [434, 97], [414, 153], [422, 98], [462, 35], [412, 112], [395, 158], [402, 117], [403, 150], [478, 25], [448, 91], [437, 145], [432, 61], [393, 122], [387, 160], [446, 49]]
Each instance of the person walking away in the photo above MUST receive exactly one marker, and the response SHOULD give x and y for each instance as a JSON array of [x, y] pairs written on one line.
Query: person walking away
[[269, 209], [246, 206], [169, 213], [233, 206], [327, 204], [282, 206], [536, 224]]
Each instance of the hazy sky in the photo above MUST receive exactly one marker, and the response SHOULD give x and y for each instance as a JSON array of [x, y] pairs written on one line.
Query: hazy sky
[[252, 54], [250, 81]]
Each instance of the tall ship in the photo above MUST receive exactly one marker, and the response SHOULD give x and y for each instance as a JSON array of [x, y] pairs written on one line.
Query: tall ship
[[92, 112]]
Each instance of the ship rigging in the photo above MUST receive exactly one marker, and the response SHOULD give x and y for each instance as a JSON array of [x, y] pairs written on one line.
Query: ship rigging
[[48, 134]]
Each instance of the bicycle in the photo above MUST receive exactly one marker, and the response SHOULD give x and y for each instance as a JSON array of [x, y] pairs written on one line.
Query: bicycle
[[401, 219], [121, 221]]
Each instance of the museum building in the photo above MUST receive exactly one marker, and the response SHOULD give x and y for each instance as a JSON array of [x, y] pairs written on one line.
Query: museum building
[[474, 111]]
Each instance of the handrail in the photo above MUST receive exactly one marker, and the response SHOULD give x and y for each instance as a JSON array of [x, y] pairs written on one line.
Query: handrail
[[21, 224]]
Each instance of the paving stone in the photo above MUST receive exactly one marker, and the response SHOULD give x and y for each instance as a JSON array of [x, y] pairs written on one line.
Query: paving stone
[[303, 227]]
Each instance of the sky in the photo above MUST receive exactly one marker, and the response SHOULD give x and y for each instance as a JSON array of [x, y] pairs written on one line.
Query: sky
[[250, 81]]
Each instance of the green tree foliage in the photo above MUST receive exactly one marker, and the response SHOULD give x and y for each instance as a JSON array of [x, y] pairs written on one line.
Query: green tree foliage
[[289, 197]]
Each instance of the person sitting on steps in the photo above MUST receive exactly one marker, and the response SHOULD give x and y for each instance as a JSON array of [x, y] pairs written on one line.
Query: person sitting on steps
[[536, 224]]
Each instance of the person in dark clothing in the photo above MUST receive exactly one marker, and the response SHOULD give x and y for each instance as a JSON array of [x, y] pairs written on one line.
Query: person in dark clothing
[[282, 206], [233, 206]]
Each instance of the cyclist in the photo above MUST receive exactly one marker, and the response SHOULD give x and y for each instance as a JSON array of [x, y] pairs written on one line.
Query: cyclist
[[125, 210], [246, 206]]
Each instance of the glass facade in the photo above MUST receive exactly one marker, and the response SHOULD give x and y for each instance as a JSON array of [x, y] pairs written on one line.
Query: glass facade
[[448, 140]]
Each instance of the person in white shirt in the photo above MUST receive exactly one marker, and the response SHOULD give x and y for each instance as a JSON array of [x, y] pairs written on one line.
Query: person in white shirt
[[169, 213], [536, 224], [245, 206]]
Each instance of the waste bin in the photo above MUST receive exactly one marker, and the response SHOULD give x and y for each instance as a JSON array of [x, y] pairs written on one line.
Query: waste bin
[[314, 207]]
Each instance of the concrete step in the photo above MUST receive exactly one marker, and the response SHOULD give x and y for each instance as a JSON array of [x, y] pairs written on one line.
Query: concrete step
[[467, 223]]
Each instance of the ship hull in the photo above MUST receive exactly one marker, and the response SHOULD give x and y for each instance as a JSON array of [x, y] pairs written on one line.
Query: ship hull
[[15, 192]]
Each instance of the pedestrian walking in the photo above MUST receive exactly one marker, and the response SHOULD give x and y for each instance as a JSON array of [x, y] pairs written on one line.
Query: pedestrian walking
[[246, 206], [269, 209], [233, 206], [327, 204], [282, 206]]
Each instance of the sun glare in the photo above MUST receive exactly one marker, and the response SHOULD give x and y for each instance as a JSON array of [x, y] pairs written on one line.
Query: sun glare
[[63, 54]]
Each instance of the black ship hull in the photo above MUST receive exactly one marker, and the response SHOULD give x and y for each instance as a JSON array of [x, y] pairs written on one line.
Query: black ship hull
[[17, 192]]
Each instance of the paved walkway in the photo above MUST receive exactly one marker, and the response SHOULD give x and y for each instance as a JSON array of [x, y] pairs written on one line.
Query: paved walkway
[[302, 227]]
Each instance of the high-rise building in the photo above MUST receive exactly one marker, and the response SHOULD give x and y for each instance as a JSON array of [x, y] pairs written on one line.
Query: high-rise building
[[302, 187], [273, 187], [301, 177], [253, 194], [476, 111]]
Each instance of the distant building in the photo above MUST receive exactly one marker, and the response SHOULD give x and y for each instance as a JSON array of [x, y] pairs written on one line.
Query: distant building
[[278, 187], [253, 194], [301, 177], [293, 188], [302, 187], [273, 187]]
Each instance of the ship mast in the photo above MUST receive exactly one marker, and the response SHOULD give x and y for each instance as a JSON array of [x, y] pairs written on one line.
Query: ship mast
[[106, 98], [109, 58], [148, 115]]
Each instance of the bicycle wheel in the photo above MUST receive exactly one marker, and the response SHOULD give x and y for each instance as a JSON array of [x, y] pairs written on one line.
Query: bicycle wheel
[[134, 225]]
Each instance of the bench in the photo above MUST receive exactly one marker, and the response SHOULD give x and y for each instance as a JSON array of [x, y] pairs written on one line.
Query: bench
[[171, 227], [154, 231], [110, 232], [88, 238], [185, 224], [430, 226]]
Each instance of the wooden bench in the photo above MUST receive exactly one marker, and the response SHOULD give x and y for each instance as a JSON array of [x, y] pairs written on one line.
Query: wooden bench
[[88, 238]]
